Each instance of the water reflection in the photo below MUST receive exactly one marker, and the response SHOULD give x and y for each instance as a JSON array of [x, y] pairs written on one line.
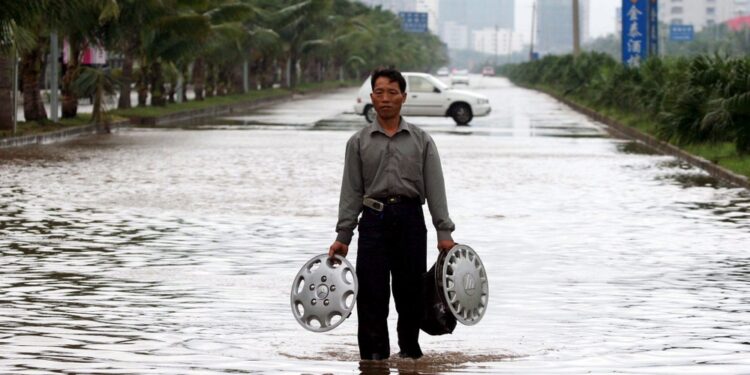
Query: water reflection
[[173, 250]]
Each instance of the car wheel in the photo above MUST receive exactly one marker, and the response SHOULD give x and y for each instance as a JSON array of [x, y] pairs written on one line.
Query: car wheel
[[370, 113], [461, 113]]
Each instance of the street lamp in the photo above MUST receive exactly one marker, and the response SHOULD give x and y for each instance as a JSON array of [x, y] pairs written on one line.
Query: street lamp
[[576, 29]]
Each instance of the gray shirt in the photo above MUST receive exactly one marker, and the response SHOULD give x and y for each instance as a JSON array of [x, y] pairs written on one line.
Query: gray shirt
[[377, 166]]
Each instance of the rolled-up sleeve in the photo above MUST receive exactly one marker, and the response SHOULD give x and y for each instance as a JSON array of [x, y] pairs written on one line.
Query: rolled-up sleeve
[[352, 191], [435, 192]]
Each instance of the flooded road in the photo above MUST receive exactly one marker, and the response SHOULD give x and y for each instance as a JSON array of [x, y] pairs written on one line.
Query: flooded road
[[169, 251]]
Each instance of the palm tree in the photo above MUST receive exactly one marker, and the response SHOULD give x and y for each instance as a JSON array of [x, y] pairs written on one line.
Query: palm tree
[[296, 24], [127, 38], [98, 85]]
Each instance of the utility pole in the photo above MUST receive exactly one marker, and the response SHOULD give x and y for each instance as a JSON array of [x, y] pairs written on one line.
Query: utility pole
[[55, 54], [510, 47], [533, 28], [576, 29], [15, 88], [497, 41]]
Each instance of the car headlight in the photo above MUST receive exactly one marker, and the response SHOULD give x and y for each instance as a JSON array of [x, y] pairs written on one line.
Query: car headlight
[[483, 101]]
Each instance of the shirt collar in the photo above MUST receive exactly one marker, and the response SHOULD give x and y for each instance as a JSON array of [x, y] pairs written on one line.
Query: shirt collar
[[402, 126]]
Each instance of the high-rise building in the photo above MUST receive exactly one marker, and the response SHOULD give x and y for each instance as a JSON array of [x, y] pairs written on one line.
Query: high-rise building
[[473, 15], [432, 8], [496, 41], [701, 13], [455, 35], [479, 14], [554, 25], [427, 6]]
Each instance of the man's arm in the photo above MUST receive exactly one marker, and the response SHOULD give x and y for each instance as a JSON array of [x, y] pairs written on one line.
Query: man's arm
[[350, 201], [436, 197]]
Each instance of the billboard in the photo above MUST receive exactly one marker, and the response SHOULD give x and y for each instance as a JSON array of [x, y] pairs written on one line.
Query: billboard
[[640, 31]]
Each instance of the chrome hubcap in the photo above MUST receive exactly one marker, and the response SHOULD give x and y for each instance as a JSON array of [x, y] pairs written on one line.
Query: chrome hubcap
[[465, 285], [324, 292]]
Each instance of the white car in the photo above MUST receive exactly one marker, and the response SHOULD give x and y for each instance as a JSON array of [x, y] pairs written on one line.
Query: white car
[[429, 96], [460, 77], [443, 72]]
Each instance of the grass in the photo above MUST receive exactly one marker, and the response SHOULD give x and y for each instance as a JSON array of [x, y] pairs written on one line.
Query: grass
[[227, 100], [193, 105], [723, 154], [34, 127]]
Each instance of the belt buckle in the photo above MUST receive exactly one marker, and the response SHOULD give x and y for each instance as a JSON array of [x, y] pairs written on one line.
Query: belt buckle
[[374, 204]]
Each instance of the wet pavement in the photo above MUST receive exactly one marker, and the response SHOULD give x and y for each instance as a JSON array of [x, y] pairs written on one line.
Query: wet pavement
[[172, 250]]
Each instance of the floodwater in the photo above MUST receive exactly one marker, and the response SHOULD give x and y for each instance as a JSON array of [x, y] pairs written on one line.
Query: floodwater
[[172, 250]]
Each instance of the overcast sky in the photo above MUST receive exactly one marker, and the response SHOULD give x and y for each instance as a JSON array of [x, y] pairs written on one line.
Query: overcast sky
[[601, 21]]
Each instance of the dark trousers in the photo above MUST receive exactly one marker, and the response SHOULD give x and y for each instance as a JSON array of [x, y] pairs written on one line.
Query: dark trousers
[[392, 243]]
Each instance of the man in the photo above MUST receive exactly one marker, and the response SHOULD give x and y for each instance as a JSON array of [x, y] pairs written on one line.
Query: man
[[391, 168]]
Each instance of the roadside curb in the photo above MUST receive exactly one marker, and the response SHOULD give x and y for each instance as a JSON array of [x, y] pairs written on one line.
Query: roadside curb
[[196, 114], [654, 144], [172, 118], [63, 134]]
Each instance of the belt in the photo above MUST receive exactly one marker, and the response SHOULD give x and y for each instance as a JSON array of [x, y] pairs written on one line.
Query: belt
[[378, 204]]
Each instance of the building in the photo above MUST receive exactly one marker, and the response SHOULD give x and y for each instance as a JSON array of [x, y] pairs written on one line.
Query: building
[[432, 8], [455, 35], [479, 14], [701, 13], [554, 25], [496, 41], [394, 6], [459, 19], [427, 6]]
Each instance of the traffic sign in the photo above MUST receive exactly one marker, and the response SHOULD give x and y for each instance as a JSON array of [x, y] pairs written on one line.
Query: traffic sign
[[413, 22], [681, 33]]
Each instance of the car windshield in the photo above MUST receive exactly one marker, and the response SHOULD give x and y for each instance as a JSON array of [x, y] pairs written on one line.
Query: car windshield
[[438, 83]]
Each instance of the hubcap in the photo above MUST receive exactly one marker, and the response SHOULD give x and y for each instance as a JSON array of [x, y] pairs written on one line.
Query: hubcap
[[464, 283], [323, 293]]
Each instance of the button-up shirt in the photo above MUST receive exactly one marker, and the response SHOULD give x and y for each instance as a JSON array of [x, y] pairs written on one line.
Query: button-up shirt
[[377, 166]]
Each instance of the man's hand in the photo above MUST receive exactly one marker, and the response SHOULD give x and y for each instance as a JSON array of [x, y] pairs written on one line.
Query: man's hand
[[445, 245], [338, 248]]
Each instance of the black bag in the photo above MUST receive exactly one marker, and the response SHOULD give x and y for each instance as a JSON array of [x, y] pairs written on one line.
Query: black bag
[[436, 317]]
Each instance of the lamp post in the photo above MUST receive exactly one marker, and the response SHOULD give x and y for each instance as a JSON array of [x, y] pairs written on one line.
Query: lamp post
[[533, 28], [55, 54], [576, 29], [14, 75]]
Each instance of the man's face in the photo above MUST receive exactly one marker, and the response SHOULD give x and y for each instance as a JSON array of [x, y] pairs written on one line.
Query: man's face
[[387, 98]]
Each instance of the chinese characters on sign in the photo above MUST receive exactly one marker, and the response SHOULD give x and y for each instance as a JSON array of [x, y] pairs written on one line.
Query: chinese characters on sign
[[413, 22], [640, 31]]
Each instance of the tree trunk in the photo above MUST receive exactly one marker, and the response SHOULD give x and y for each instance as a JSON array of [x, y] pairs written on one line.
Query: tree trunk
[[210, 80], [69, 98], [6, 92], [157, 84], [31, 67], [172, 91], [199, 78], [292, 71], [142, 85], [238, 79], [185, 70], [126, 82]]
